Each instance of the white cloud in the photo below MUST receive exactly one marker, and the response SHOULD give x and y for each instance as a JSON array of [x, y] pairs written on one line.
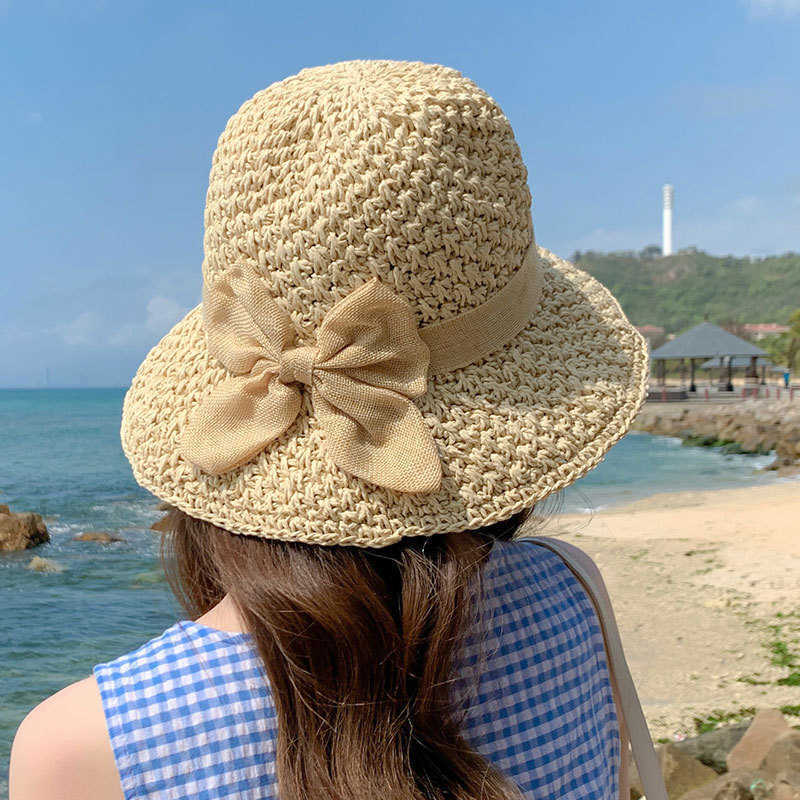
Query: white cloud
[[162, 314], [90, 329], [83, 330], [765, 8]]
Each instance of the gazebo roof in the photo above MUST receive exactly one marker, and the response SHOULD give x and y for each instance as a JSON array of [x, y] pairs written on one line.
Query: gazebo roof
[[706, 340]]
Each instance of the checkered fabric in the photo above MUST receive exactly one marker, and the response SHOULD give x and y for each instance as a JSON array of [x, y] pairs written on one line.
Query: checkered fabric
[[190, 713]]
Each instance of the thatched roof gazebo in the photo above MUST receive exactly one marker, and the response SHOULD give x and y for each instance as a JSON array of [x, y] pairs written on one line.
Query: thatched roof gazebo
[[705, 341]]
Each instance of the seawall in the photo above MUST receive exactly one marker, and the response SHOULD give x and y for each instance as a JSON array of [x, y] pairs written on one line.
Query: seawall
[[750, 426]]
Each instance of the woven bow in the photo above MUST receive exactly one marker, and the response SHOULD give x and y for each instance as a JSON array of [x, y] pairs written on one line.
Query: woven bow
[[368, 363]]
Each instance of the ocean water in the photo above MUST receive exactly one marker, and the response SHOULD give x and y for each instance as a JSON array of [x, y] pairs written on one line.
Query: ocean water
[[60, 456]]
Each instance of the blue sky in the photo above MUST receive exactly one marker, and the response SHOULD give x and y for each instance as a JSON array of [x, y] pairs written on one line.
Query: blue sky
[[112, 111]]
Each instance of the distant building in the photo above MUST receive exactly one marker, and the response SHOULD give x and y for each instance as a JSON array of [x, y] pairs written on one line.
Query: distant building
[[653, 335], [758, 330]]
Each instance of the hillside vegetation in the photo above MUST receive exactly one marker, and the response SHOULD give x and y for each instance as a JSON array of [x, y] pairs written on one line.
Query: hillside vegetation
[[687, 288]]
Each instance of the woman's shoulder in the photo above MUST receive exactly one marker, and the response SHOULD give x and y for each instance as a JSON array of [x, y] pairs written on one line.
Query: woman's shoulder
[[62, 749]]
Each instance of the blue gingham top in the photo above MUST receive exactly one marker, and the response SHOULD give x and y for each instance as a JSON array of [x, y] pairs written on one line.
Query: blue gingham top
[[190, 713]]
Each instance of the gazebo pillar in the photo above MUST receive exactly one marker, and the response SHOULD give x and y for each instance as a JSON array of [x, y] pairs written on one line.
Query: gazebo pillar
[[692, 387], [729, 385]]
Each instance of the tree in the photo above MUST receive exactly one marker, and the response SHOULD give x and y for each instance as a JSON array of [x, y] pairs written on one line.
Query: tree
[[793, 335], [776, 346]]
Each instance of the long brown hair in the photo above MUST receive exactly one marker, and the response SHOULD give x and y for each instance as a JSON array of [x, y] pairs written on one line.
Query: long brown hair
[[359, 647]]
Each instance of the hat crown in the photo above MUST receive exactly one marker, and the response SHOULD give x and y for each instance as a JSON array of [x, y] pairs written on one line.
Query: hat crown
[[403, 171]]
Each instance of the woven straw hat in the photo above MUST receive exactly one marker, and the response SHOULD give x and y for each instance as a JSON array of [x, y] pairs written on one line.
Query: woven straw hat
[[382, 350]]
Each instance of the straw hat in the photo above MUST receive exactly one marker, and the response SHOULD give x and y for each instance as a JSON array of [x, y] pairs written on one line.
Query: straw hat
[[382, 349]]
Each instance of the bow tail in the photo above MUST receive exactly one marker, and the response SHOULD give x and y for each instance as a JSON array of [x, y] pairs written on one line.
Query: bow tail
[[376, 434], [238, 420]]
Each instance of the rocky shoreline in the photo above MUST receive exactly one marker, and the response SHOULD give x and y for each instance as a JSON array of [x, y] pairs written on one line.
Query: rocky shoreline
[[750, 426], [753, 759]]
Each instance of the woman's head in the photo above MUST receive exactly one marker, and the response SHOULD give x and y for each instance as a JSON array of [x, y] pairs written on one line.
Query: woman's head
[[384, 372], [359, 646]]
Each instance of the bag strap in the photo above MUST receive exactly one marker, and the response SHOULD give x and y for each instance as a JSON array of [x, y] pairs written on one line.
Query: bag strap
[[586, 571]]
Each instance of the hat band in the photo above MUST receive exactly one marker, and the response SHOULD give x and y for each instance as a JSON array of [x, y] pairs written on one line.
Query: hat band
[[473, 335]]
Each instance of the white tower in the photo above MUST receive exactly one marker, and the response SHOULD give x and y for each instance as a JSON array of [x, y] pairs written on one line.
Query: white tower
[[666, 230]]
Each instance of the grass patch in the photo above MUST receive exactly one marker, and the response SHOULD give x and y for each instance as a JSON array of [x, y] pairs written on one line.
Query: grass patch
[[781, 655], [752, 680], [792, 679], [718, 717]]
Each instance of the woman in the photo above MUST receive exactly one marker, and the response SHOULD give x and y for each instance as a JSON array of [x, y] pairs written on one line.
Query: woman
[[384, 377]]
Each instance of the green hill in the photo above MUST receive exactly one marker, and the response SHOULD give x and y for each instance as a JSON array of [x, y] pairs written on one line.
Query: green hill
[[692, 286]]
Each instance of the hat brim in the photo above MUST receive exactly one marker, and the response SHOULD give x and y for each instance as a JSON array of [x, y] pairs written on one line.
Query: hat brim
[[511, 429]]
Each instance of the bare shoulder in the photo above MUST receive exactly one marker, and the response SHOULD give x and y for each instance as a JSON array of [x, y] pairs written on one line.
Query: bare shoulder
[[62, 750]]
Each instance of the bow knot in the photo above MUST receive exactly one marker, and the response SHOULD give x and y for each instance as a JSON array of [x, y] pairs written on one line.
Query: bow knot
[[297, 365], [367, 366]]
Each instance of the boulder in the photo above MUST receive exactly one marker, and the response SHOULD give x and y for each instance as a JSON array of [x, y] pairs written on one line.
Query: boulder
[[752, 748], [681, 772], [96, 536], [784, 757], [785, 791], [736, 785], [21, 530], [39, 564], [712, 748]]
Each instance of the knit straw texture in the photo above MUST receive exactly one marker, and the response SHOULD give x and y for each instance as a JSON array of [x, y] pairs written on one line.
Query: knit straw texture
[[408, 173]]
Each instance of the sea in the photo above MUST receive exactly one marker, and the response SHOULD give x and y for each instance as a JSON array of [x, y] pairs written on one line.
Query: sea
[[60, 456]]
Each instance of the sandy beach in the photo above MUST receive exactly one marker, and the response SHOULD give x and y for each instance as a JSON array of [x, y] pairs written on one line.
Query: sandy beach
[[706, 588]]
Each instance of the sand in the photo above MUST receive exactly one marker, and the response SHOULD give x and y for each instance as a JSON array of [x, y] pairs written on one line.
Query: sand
[[704, 584]]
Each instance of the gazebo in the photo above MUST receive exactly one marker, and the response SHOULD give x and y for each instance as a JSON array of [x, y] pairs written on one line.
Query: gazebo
[[742, 362], [705, 341]]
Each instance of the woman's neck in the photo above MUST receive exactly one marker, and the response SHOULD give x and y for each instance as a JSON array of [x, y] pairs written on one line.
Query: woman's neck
[[224, 616]]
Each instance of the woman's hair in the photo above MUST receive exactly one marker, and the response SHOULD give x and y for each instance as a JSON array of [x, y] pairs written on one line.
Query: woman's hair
[[360, 647]]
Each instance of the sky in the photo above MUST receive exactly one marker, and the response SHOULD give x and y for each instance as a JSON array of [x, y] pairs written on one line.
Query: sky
[[112, 111]]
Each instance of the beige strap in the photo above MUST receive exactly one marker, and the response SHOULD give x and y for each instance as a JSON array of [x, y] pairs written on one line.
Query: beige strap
[[473, 335], [585, 570]]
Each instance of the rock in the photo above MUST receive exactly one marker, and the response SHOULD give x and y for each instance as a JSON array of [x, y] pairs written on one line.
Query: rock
[[96, 536], [784, 755], [730, 786], [752, 748], [4, 509], [712, 748], [39, 564], [21, 530], [681, 772], [789, 778], [784, 791]]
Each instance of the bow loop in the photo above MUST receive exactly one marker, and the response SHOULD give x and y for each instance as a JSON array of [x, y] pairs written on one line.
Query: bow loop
[[368, 364]]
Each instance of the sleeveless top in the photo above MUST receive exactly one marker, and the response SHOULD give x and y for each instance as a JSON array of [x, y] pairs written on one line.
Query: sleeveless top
[[190, 713]]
